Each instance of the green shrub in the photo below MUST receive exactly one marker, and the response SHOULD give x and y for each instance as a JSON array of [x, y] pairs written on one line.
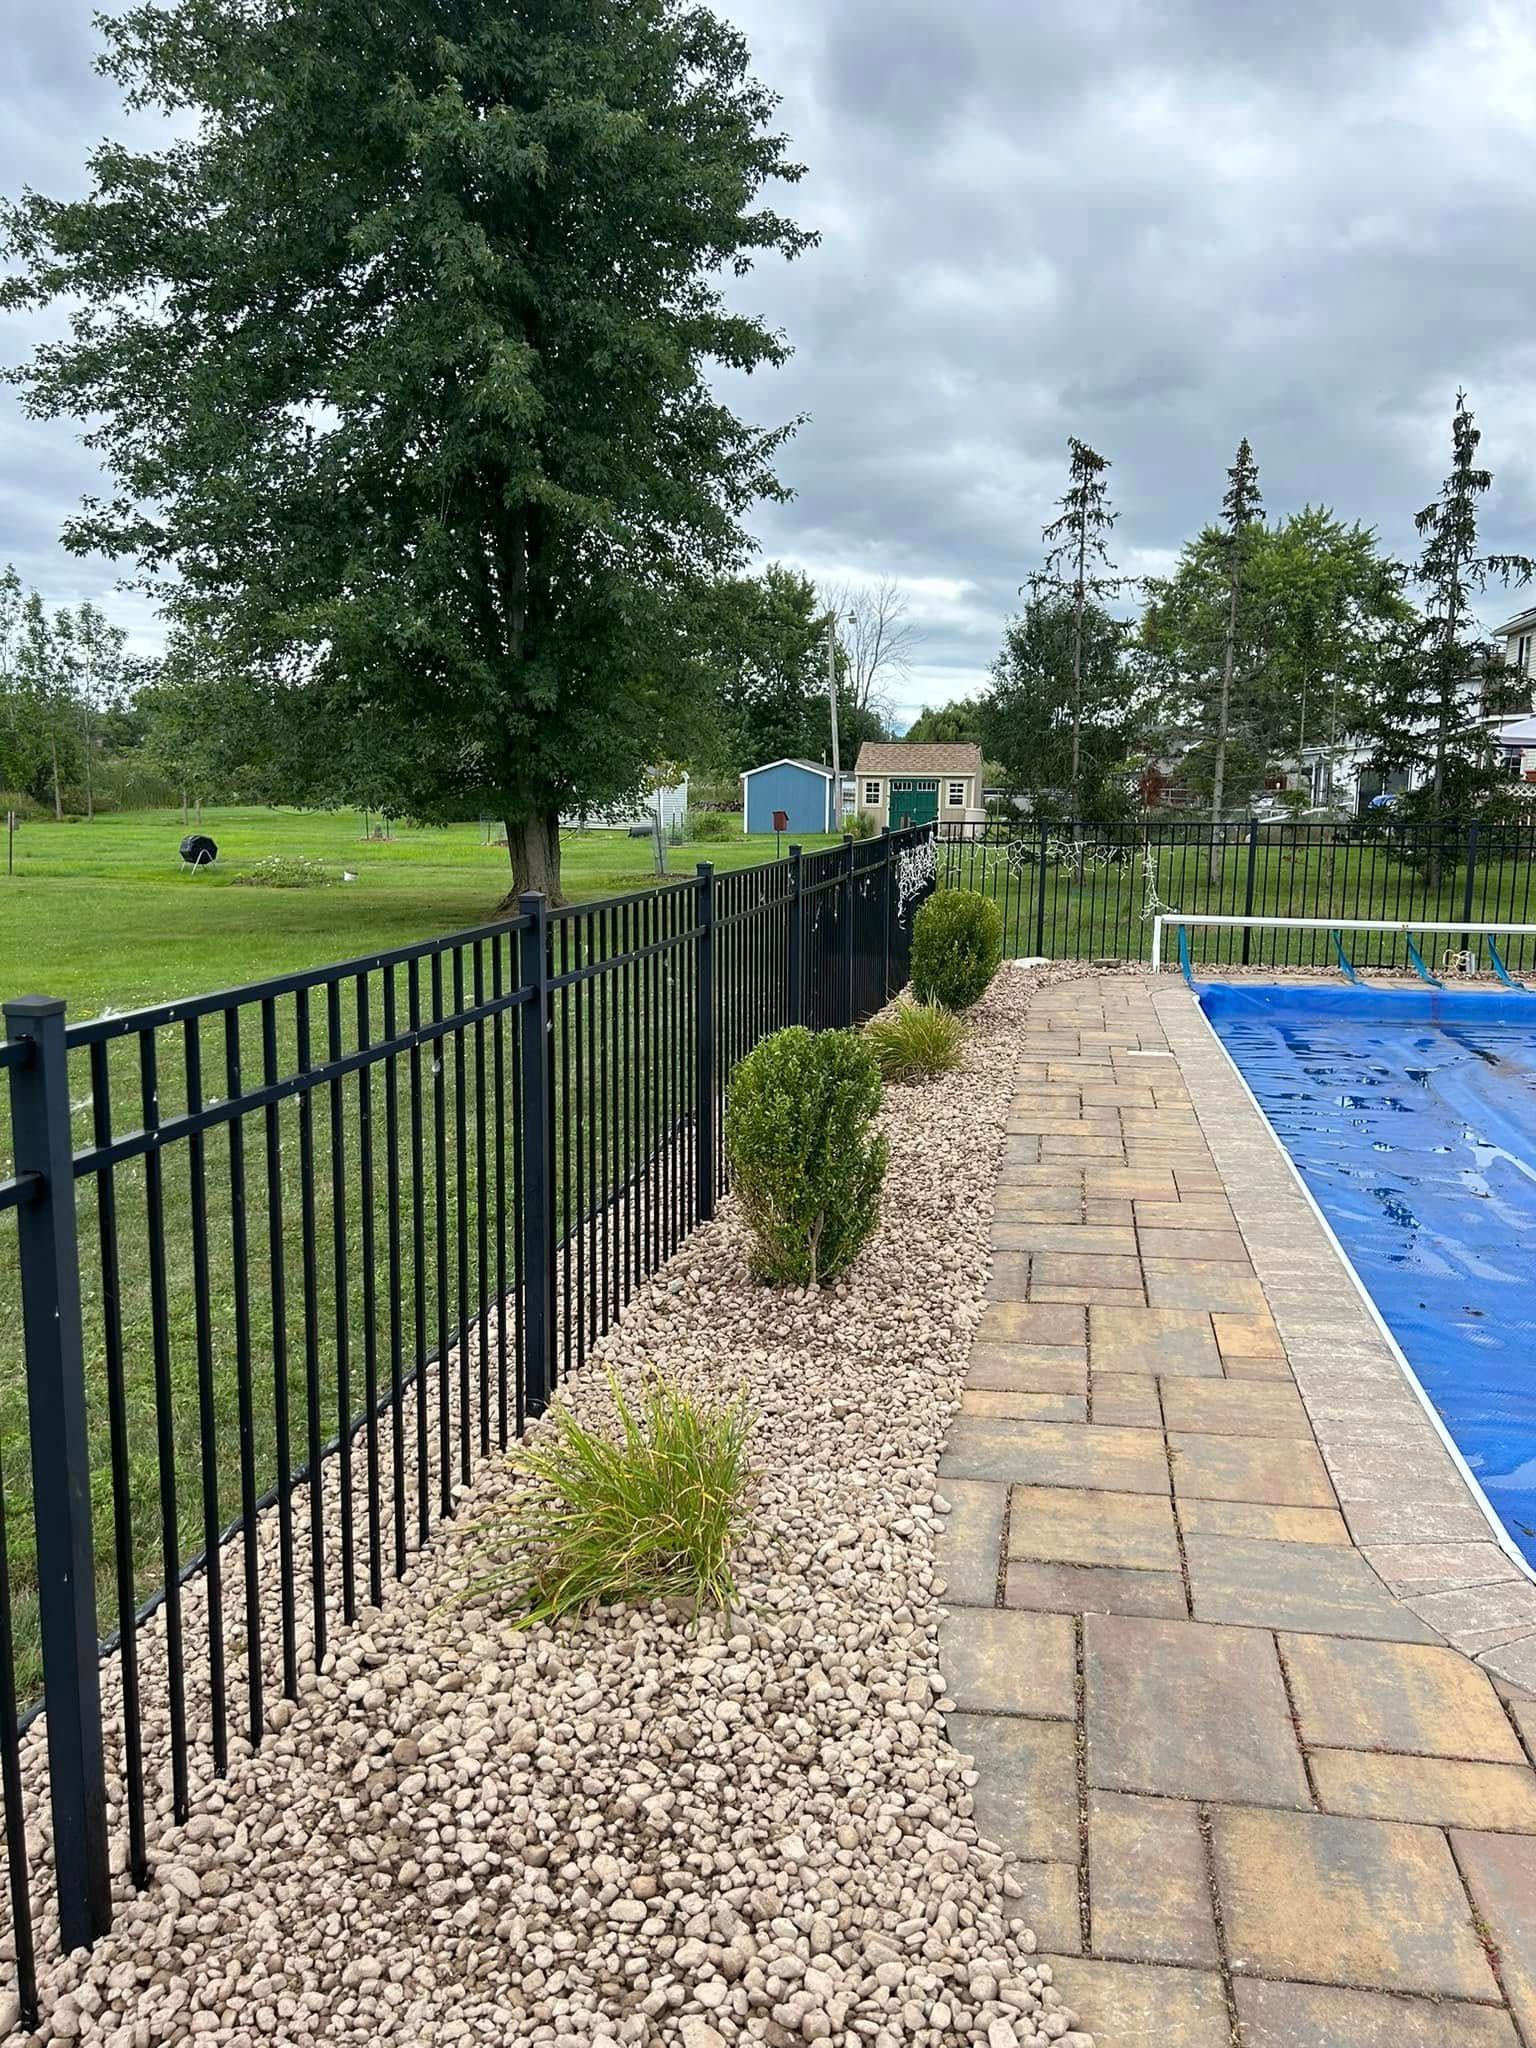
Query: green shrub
[[859, 825], [649, 1513], [915, 1040], [806, 1160], [957, 947], [706, 826]]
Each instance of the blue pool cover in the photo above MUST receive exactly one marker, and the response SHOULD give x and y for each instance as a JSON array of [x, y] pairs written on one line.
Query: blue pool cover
[[1411, 1114]]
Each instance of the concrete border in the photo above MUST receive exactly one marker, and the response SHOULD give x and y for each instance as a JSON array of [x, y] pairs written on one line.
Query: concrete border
[[1413, 1507]]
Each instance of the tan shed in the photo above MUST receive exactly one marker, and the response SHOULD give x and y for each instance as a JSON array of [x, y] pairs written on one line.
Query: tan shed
[[897, 782]]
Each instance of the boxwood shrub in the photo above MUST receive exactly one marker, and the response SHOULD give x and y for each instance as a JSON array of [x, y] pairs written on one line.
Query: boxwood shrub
[[806, 1159], [957, 947]]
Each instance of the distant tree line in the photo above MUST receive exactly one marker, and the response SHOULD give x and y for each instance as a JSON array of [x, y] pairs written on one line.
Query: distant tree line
[[69, 702], [1267, 638]]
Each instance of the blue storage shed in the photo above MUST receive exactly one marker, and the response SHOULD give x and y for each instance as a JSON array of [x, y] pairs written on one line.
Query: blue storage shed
[[803, 790]]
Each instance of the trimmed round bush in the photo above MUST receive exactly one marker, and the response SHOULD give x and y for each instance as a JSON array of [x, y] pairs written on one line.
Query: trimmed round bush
[[705, 827], [915, 1041], [806, 1159], [957, 947]]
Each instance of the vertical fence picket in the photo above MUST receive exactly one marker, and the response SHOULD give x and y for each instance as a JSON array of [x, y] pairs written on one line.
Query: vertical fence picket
[[538, 1234], [704, 1046], [49, 1259], [796, 936]]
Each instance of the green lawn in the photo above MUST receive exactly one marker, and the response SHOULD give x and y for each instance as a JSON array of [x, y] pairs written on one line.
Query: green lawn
[[106, 915]]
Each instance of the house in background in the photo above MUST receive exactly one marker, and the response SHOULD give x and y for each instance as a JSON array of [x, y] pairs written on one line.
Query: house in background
[[666, 802], [805, 791], [1519, 637], [918, 782]]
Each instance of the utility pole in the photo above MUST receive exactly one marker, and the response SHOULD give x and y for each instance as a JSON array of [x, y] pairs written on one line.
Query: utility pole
[[837, 772]]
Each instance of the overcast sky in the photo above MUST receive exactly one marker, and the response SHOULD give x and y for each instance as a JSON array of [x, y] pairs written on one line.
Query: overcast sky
[[1156, 224]]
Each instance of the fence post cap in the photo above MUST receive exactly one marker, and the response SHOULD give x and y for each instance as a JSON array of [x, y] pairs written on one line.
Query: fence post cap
[[530, 903], [705, 869], [34, 1006]]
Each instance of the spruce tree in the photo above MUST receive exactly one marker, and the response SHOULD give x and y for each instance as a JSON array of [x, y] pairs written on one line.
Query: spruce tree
[[1242, 515], [1078, 568], [1427, 715]]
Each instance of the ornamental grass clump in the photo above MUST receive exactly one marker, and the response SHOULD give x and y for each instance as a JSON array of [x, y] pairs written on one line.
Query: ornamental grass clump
[[652, 1512], [957, 947], [806, 1159], [915, 1041]]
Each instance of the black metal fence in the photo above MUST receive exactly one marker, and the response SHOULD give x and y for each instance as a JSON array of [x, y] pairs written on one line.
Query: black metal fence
[[1086, 891], [279, 1267]]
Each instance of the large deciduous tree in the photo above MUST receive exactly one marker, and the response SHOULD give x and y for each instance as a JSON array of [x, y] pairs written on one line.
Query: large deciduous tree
[[958, 721], [1078, 570], [877, 639], [398, 356], [1288, 665], [1428, 710], [765, 642]]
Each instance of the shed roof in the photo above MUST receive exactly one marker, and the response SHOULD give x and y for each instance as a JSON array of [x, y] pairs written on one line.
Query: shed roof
[[918, 757], [790, 761]]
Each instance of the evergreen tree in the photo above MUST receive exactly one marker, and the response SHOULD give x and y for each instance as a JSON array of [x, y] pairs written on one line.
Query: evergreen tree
[[1242, 512], [1077, 567], [1429, 706], [400, 356]]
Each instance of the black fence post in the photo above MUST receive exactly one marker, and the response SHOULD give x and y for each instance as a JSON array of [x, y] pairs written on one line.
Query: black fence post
[[61, 1483], [885, 914], [704, 1046], [796, 936], [848, 939], [1467, 887], [1045, 847], [1253, 862], [538, 1176]]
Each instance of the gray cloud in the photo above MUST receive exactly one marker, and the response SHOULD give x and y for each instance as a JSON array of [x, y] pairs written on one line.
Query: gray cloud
[[1158, 224]]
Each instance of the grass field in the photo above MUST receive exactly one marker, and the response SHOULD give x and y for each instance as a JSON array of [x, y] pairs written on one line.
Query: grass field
[[106, 915]]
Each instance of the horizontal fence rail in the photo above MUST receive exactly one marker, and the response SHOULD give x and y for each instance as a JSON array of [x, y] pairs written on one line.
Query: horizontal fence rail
[[280, 1268], [1090, 891]]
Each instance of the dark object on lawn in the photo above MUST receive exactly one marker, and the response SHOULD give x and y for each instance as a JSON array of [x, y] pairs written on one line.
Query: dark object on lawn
[[641, 831], [198, 850]]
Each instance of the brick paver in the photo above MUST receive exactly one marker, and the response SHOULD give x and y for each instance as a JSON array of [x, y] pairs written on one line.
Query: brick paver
[[1204, 1565]]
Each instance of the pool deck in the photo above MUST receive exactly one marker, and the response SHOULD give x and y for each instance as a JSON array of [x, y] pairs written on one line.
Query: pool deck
[[1239, 1661]]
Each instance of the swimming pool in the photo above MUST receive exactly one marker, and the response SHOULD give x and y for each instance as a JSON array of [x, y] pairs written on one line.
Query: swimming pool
[[1411, 1115]]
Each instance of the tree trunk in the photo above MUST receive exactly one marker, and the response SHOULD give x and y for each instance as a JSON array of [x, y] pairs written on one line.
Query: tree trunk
[[1223, 719], [533, 847], [58, 803], [1077, 676]]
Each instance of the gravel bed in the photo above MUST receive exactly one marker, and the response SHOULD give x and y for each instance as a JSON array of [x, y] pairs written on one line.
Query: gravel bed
[[632, 1830]]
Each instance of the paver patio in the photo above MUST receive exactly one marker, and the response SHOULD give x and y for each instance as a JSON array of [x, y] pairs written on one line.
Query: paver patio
[[1234, 1650]]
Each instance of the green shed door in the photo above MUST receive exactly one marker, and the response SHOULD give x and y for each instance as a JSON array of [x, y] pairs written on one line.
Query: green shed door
[[914, 801]]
